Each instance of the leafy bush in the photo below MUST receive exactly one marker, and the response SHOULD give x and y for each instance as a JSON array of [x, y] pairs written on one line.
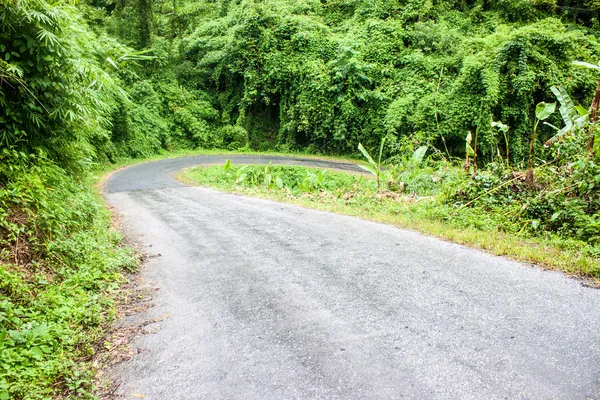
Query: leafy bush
[[54, 94], [234, 137], [565, 199]]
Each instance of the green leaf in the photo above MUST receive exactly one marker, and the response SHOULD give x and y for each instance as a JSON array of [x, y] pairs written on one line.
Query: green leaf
[[543, 110], [468, 149], [587, 65], [552, 126], [418, 155], [366, 154], [36, 353], [502, 127], [369, 168], [565, 100], [111, 62], [46, 349], [380, 152], [581, 110], [241, 178]]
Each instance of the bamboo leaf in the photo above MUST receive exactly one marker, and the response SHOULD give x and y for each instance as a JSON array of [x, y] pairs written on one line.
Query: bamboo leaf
[[111, 62]]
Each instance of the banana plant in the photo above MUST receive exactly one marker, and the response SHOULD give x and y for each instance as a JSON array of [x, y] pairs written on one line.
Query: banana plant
[[542, 112], [279, 182], [504, 129], [573, 116], [419, 155], [589, 116], [372, 166], [313, 181], [596, 102], [468, 151], [268, 177]]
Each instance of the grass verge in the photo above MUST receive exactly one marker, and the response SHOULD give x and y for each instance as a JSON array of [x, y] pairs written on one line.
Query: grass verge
[[358, 196]]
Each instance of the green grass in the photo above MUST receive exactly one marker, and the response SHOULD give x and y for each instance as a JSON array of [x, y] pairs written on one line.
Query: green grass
[[358, 196]]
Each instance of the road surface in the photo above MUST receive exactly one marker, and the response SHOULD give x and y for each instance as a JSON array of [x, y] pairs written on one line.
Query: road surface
[[263, 300]]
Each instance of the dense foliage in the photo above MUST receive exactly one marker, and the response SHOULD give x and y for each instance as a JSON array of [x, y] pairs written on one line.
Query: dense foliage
[[94, 81], [332, 74], [323, 75], [59, 260]]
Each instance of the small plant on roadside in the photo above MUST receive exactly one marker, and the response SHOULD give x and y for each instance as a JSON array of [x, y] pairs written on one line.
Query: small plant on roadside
[[469, 152], [272, 180], [240, 174], [504, 129], [313, 181], [227, 167], [594, 137], [398, 175], [373, 167], [268, 177], [542, 112]]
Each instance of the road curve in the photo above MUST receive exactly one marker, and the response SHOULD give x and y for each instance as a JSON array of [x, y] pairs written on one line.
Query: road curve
[[262, 300], [159, 174]]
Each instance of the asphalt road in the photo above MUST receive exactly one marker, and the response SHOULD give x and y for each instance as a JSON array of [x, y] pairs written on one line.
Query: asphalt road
[[263, 300]]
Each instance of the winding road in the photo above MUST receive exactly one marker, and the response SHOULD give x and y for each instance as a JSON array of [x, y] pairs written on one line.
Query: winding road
[[262, 300]]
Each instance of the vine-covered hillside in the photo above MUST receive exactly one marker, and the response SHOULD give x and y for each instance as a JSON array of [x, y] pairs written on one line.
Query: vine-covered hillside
[[330, 74]]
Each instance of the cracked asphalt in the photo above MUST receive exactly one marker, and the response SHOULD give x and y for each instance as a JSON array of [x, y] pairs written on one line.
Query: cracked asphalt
[[262, 300]]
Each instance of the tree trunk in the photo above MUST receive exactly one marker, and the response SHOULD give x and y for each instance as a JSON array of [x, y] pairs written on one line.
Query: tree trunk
[[145, 21]]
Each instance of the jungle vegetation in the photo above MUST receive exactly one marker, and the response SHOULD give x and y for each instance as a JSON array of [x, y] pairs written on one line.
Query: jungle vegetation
[[496, 99]]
